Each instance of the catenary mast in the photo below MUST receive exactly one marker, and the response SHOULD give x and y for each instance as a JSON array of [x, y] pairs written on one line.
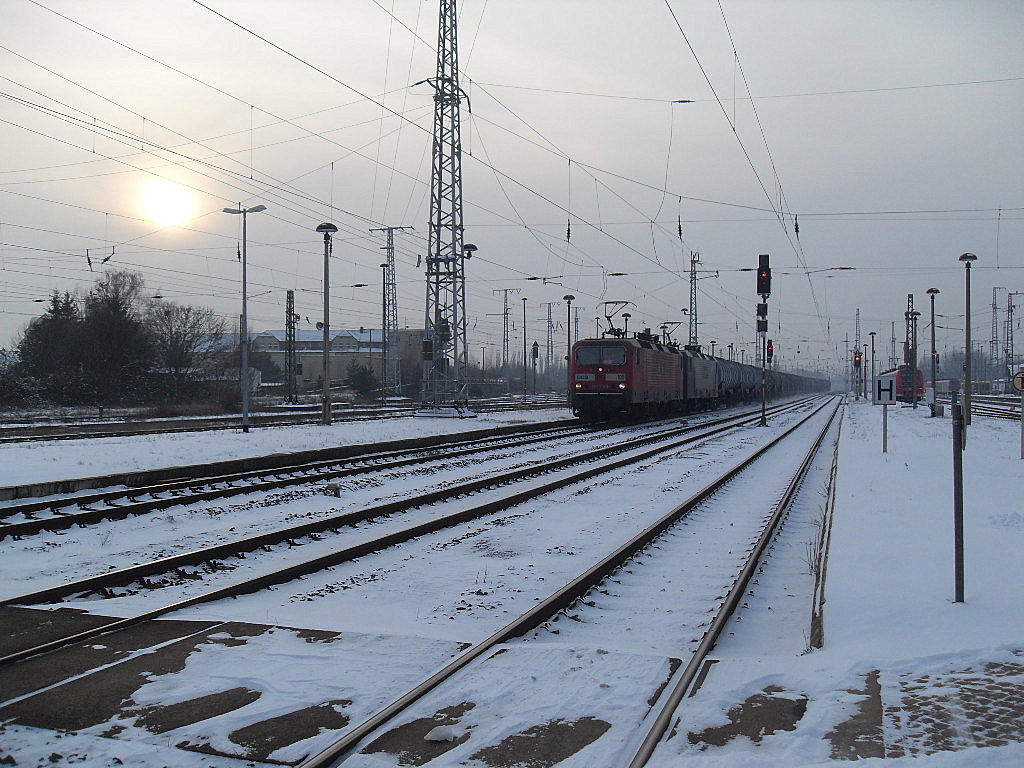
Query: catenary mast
[[445, 385]]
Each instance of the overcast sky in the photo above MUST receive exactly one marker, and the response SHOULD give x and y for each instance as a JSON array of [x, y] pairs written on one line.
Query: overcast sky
[[892, 131]]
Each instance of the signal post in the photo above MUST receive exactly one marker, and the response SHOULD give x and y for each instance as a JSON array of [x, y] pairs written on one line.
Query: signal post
[[764, 289]]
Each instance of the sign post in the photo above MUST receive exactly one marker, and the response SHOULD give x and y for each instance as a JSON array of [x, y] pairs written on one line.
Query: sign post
[[885, 395], [1018, 384]]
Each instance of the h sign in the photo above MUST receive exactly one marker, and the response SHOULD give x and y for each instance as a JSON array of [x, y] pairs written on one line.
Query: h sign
[[885, 390]]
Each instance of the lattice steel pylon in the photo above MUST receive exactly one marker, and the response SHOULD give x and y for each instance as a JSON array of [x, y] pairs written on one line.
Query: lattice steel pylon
[[392, 375], [445, 385]]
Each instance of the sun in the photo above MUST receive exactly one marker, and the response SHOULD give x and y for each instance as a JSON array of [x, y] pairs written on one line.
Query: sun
[[167, 203]]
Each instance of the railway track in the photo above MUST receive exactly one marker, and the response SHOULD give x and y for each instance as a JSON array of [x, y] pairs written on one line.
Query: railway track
[[369, 733], [171, 567], [634, 454], [150, 493], [992, 406], [36, 430]]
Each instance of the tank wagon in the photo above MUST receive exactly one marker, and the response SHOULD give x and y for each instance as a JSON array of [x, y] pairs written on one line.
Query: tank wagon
[[641, 376]]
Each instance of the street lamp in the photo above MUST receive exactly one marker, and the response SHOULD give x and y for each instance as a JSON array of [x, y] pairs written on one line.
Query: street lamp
[[568, 299], [625, 319], [327, 229], [967, 258], [932, 293], [244, 330], [713, 348]]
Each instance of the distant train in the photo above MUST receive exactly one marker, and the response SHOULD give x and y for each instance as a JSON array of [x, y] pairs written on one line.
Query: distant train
[[903, 378], [642, 376]]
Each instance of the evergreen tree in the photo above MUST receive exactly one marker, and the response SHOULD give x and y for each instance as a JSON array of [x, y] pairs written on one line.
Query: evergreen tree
[[52, 353], [363, 380]]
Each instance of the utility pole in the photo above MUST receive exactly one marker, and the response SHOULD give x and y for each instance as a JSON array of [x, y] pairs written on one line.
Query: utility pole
[[893, 360], [504, 336], [550, 351], [525, 363], [1008, 373], [856, 349], [932, 293], [391, 373], [290, 319], [764, 289], [910, 346], [993, 349], [694, 261], [445, 354]]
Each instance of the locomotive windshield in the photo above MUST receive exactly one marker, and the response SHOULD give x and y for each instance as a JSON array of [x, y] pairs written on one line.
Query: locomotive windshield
[[601, 355]]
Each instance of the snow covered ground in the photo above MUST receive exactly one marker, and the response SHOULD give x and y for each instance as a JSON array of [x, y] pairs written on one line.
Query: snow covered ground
[[23, 463], [890, 620], [890, 615]]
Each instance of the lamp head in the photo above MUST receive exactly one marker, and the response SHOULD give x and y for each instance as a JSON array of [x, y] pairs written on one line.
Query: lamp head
[[569, 297], [933, 291], [327, 228], [967, 258]]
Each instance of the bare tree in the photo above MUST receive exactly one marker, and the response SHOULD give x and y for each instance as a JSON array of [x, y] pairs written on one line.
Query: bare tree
[[188, 343]]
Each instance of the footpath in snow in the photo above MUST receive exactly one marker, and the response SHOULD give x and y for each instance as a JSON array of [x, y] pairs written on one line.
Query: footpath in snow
[[906, 676]]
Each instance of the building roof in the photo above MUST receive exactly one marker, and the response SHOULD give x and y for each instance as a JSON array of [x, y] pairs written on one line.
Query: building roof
[[364, 336]]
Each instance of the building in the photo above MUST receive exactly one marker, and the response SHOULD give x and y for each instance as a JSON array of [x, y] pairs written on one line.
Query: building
[[347, 347]]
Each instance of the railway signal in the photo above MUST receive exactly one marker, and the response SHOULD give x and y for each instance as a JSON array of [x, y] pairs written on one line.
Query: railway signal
[[764, 276], [764, 289], [771, 350]]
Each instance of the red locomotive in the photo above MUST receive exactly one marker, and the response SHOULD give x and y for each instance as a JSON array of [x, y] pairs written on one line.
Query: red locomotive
[[642, 376]]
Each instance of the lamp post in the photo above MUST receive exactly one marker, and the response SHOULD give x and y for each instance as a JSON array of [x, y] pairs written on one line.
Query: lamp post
[[713, 348], [967, 258], [625, 319], [327, 229], [729, 347], [244, 330], [568, 299], [932, 293], [524, 347]]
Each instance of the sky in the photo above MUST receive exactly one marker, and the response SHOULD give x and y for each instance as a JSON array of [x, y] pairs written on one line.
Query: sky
[[890, 133]]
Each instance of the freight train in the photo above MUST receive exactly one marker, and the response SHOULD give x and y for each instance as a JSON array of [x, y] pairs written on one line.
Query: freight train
[[642, 376]]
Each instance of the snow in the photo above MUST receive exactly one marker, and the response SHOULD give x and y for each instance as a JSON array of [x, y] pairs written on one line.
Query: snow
[[32, 462], [888, 600]]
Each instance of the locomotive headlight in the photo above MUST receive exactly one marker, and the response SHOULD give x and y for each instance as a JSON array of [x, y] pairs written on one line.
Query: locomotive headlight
[[622, 386]]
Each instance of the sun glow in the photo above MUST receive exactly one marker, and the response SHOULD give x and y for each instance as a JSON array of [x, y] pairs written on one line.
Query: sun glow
[[167, 203]]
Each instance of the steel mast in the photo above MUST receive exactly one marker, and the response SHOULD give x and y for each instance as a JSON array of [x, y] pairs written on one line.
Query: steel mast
[[391, 376], [445, 386]]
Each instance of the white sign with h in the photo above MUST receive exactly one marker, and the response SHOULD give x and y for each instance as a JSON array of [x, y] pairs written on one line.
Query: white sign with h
[[885, 390]]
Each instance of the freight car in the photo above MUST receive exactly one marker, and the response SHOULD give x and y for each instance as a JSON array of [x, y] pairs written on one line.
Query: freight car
[[641, 376]]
